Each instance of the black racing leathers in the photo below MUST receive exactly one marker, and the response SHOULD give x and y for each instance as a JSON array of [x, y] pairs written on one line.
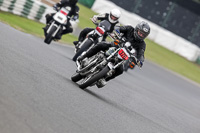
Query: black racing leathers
[[74, 12], [139, 46], [100, 17]]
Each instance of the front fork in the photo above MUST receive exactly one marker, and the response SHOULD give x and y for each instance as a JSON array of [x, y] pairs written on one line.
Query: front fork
[[53, 24]]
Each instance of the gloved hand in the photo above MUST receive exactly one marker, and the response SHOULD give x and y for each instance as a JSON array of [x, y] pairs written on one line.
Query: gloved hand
[[55, 7], [139, 63], [94, 19], [75, 18]]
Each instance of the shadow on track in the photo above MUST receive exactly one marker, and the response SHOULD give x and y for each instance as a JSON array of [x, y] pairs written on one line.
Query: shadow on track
[[113, 104]]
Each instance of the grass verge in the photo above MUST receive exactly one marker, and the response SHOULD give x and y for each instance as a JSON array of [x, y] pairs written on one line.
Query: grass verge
[[154, 52]]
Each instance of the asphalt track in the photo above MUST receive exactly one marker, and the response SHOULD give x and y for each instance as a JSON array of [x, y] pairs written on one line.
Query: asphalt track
[[37, 95]]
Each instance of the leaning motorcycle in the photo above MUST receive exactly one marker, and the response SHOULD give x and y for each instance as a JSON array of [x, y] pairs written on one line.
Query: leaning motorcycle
[[102, 65], [60, 19], [93, 37]]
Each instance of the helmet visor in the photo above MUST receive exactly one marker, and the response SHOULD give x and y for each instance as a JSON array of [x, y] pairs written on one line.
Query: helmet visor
[[113, 17], [141, 34]]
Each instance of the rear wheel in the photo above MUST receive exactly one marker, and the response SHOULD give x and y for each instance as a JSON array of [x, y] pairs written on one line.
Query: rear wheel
[[84, 47], [76, 77], [49, 37], [94, 78]]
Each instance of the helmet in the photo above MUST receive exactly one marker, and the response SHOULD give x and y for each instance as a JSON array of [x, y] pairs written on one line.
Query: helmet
[[114, 15], [142, 30], [73, 2]]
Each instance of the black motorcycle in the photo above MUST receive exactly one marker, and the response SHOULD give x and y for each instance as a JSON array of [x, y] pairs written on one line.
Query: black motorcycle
[[94, 36], [102, 65]]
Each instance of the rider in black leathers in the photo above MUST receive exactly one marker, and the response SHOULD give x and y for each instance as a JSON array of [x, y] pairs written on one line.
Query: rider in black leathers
[[74, 12], [135, 36], [111, 17]]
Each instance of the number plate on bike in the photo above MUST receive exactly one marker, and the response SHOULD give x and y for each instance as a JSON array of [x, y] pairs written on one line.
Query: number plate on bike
[[123, 55], [60, 18]]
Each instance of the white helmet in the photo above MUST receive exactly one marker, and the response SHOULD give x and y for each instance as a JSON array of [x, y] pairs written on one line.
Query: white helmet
[[114, 15]]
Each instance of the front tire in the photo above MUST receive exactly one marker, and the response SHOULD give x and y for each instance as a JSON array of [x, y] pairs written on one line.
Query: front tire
[[76, 77], [49, 37], [95, 78]]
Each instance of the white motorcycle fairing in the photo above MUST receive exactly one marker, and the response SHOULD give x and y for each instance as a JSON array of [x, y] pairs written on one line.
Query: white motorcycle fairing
[[61, 16]]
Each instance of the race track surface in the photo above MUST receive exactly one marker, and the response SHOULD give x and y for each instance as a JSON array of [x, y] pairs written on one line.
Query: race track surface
[[38, 96]]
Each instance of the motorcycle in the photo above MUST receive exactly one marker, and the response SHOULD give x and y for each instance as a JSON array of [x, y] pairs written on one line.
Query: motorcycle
[[93, 37], [102, 65], [59, 21]]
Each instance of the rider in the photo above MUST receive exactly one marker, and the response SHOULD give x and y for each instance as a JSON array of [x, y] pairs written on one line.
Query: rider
[[135, 36], [112, 17], [74, 12]]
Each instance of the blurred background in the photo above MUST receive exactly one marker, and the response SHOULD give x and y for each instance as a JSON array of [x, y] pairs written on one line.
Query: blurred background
[[175, 25]]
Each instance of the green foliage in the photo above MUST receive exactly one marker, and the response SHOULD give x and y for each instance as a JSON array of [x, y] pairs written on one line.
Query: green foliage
[[84, 18]]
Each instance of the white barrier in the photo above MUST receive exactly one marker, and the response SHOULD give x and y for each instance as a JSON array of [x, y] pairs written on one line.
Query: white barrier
[[28, 8], [158, 34]]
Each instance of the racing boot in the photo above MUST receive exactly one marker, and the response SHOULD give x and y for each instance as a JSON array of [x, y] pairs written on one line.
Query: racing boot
[[81, 60], [58, 35], [101, 83], [77, 44], [82, 57], [45, 29]]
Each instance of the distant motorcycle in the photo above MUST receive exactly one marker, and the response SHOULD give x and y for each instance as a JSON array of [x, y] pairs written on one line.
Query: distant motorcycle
[[102, 65], [59, 21], [93, 37]]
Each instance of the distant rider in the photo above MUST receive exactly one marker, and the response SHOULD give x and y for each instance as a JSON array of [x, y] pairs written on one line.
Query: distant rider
[[111, 17], [135, 36], [74, 12]]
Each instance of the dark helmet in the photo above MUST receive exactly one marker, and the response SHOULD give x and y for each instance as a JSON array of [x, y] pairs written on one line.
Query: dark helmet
[[73, 2], [142, 30]]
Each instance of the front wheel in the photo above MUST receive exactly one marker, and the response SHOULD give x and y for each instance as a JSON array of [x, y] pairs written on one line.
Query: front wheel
[[94, 78], [76, 77], [49, 35]]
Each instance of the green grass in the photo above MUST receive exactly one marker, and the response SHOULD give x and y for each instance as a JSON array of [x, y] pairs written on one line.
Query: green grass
[[84, 17], [154, 52]]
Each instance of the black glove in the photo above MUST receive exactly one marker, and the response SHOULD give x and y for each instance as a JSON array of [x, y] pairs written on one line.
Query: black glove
[[139, 63], [55, 7], [75, 18]]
